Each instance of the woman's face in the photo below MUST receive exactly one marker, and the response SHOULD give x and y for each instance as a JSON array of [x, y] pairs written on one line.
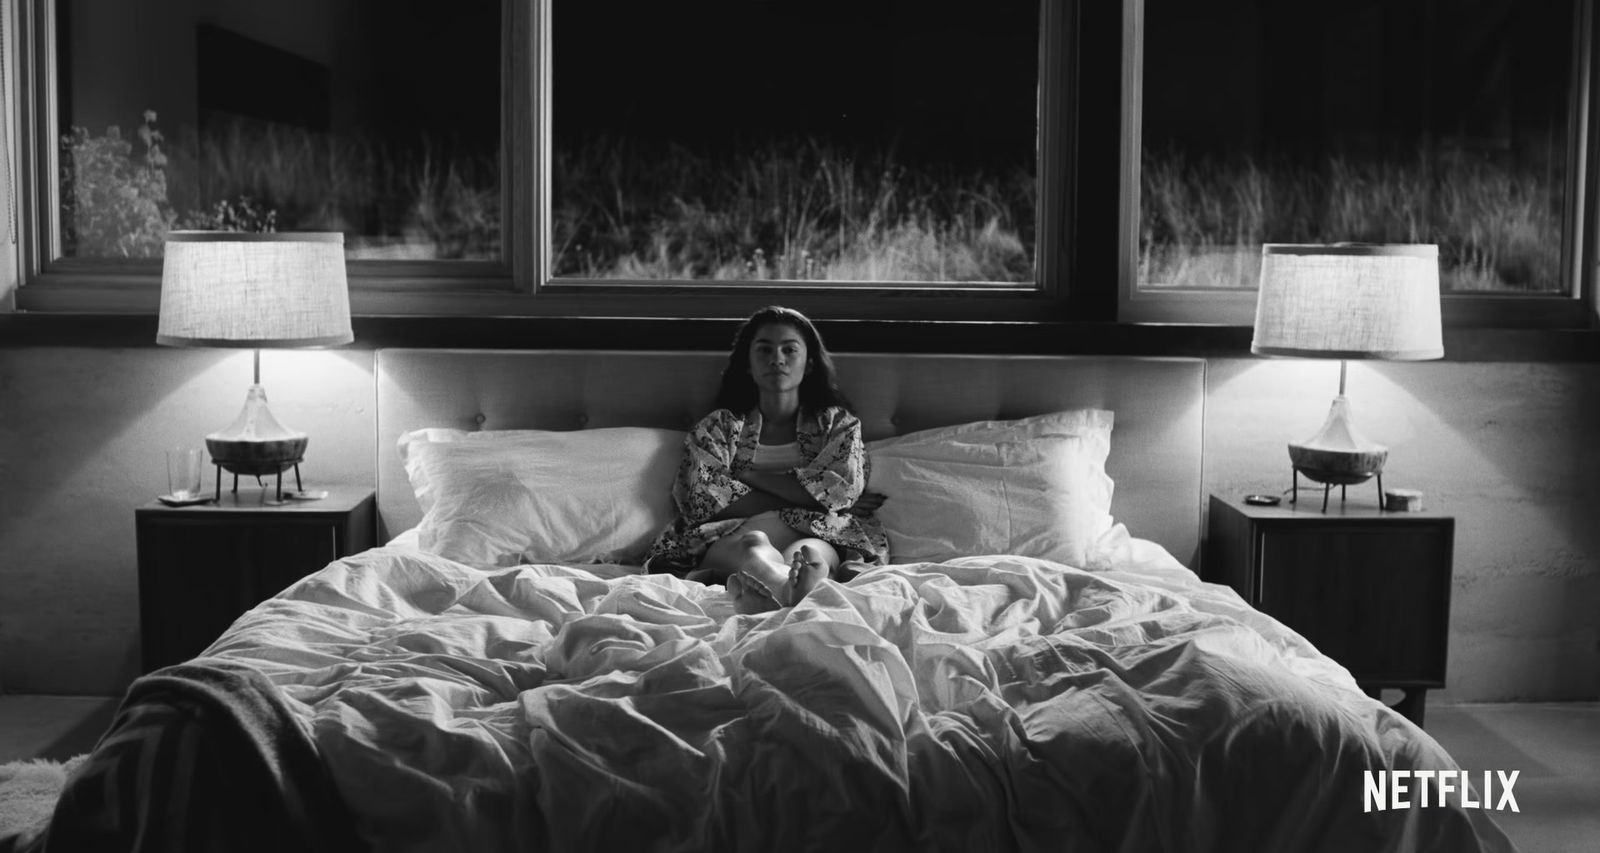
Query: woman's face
[[778, 358]]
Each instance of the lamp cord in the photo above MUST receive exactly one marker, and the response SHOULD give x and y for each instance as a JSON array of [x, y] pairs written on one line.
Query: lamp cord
[[5, 143]]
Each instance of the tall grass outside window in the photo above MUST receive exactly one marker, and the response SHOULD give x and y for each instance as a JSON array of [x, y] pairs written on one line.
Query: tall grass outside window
[[184, 115], [840, 142], [1383, 123]]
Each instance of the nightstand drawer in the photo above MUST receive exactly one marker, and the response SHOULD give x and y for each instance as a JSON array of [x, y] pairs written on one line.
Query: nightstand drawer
[[1373, 597]]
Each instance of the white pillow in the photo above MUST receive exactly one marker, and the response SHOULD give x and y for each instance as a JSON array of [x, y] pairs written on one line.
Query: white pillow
[[1033, 487], [500, 497]]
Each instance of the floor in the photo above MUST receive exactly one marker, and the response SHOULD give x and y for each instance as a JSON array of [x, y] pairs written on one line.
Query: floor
[[1555, 746], [1557, 749], [56, 727]]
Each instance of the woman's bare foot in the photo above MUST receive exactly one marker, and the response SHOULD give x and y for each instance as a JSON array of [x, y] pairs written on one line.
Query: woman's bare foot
[[762, 581], [805, 572], [749, 597], [761, 570]]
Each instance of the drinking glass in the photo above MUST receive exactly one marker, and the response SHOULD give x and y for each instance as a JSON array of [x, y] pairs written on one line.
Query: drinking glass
[[183, 473]]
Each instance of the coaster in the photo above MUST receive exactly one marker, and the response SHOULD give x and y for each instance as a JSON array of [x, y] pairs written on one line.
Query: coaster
[[171, 500], [306, 495]]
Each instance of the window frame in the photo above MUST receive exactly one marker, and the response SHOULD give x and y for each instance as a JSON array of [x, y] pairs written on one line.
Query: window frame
[[53, 283], [520, 284], [1086, 262], [1575, 308]]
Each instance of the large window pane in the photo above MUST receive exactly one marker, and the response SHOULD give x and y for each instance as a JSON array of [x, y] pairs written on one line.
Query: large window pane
[[376, 118], [1376, 121], [824, 141]]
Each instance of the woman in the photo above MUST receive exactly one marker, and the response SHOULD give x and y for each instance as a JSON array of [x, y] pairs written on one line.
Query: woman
[[771, 491]]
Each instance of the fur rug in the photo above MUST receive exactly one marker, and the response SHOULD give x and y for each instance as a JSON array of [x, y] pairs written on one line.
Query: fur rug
[[28, 792]]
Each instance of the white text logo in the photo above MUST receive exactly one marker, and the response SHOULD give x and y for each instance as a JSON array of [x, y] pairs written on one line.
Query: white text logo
[[1403, 789]]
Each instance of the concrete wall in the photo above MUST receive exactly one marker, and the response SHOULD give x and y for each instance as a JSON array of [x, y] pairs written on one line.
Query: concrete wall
[[1508, 448], [83, 434]]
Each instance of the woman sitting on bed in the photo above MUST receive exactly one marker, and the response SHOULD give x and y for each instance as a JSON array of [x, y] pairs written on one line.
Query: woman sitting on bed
[[770, 493]]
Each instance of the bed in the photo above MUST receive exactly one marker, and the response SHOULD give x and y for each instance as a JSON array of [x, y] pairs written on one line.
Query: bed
[[1037, 669]]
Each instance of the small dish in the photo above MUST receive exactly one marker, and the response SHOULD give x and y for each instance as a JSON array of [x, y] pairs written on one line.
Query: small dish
[[172, 500]]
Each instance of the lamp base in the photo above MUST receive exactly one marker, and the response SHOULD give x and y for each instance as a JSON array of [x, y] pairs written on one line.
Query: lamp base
[[256, 444], [1338, 455], [1327, 486], [280, 497], [277, 492], [1338, 467], [257, 458]]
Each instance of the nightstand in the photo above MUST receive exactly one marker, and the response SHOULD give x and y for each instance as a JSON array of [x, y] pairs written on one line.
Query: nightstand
[[1369, 588], [201, 566]]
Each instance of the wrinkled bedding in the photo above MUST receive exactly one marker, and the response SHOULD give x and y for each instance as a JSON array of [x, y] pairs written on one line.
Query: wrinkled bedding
[[987, 703]]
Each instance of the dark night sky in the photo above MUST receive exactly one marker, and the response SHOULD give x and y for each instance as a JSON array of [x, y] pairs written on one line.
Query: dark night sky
[[936, 74], [954, 77], [439, 72], [1379, 77], [932, 76], [944, 76]]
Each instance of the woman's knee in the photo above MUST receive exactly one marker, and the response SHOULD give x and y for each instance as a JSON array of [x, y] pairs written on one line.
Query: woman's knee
[[720, 558], [731, 550], [781, 535]]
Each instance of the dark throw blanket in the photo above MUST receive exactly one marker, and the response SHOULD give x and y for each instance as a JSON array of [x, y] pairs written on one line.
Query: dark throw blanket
[[201, 756]]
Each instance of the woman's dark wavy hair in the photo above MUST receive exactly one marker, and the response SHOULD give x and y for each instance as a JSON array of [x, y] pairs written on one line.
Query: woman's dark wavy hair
[[818, 390]]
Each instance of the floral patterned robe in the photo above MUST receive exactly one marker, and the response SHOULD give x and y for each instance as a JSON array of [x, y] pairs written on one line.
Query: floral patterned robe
[[721, 447]]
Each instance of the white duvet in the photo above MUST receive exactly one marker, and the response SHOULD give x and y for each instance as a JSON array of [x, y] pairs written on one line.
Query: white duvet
[[988, 703]]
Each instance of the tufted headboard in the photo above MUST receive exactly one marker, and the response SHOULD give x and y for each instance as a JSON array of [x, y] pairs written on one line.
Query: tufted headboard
[[1155, 443]]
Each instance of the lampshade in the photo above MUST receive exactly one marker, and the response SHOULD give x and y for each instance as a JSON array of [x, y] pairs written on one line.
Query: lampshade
[[230, 289], [1346, 301], [1349, 301], [227, 289]]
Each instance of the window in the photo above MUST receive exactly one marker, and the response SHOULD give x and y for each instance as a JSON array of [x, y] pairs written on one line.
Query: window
[[374, 118], [552, 156], [886, 160], [1405, 121], [833, 141], [313, 117]]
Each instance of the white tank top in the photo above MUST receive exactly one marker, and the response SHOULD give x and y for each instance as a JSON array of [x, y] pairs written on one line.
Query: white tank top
[[777, 458]]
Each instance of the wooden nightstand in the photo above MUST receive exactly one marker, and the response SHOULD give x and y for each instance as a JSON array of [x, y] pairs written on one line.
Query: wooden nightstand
[[201, 566], [1368, 588]]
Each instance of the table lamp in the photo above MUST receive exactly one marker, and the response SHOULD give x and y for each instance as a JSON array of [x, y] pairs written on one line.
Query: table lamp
[[1346, 301], [233, 289]]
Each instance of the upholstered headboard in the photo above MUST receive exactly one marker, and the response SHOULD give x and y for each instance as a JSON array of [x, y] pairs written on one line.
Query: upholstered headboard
[[1155, 444]]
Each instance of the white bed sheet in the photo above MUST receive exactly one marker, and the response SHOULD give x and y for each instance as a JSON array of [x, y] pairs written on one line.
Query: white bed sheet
[[985, 703]]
